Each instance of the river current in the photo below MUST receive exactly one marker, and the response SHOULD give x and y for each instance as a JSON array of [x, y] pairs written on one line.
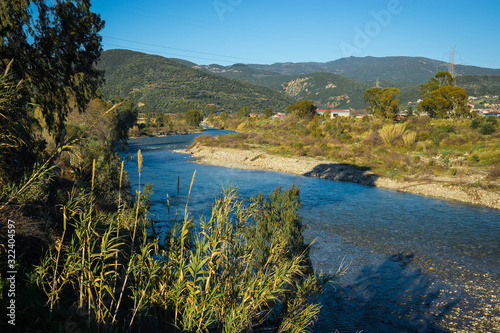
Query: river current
[[410, 263]]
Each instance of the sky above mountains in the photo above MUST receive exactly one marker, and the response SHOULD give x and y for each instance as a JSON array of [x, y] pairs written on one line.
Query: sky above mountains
[[257, 31]]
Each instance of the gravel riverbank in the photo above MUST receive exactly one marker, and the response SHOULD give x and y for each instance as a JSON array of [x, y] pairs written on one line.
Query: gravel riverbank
[[443, 188]]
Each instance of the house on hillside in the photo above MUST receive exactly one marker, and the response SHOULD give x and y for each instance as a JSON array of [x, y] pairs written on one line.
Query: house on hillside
[[256, 115], [279, 115], [335, 113], [141, 118]]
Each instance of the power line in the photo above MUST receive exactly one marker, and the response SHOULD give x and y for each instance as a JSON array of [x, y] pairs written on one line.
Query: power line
[[183, 56], [183, 50]]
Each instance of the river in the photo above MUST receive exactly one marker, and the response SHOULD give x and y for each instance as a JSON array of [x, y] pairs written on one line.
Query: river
[[414, 264]]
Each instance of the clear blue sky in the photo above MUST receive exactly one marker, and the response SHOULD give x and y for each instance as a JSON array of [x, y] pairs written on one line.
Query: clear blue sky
[[257, 31]]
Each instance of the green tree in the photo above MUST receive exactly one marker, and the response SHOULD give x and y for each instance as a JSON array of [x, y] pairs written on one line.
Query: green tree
[[268, 112], [441, 98], [194, 118], [302, 109], [244, 112], [18, 145], [124, 117], [55, 52], [382, 102], [410, 113]]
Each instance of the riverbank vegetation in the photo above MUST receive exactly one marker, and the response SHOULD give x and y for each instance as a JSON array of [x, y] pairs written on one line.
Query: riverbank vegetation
[[462, 151], [78, 251], [167, 124]]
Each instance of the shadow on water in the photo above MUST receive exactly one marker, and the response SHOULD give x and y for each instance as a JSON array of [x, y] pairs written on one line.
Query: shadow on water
[[344, 172], [388, 297]]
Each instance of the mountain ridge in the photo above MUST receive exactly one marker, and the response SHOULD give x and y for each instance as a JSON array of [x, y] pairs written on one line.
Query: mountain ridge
[[177, 85], [392, 68], [161, 84]]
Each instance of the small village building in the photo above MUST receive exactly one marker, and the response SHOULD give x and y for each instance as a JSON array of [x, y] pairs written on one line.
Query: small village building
[[335, 113], [279, 115], [141, 118]]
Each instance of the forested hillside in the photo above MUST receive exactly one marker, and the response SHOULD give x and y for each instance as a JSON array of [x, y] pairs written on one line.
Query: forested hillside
[[164, 85]]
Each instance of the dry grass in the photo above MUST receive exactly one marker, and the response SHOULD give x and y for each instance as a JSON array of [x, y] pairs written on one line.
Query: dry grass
[[409, 139], [390, 133], [494, 173], [373, 139]]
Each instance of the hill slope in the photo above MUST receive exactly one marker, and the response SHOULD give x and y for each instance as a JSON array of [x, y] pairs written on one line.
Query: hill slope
[[245, 73], [326, 90], [165, 85]]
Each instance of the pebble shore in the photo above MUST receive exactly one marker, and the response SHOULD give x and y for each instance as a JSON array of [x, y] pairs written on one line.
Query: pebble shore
[[259, 160]]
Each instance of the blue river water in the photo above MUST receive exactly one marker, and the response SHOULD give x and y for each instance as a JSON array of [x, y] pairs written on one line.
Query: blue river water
[[410, 263]]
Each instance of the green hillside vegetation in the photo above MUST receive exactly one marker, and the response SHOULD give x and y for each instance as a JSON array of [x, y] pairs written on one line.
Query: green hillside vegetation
[[353, 76], [245, 73], [479, 85], [164, 85], [291, 68], [326, 90]]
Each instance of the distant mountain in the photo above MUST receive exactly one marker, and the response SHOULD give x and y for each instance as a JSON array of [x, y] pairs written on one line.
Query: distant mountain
[[396, 69], [480, 85], [245, 73], [326, 90], [174, 85], [166, 85]]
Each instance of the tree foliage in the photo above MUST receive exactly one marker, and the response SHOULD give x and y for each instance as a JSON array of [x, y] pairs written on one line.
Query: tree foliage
[[244, 112], [441, 98], [18, 146], [302, 108], [124, 117], [268, 112], [382, 102], [55, 46], [194, 118]]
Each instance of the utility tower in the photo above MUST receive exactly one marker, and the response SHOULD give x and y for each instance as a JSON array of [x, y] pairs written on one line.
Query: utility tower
[[451, 63]]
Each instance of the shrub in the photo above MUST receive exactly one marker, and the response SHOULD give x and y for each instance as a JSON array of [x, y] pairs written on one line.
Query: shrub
[[409, 138], [373, 139], [193, 118], [475, 123], [487, 128], [316, 151], [389, 133], [491, 120], [494, 173]]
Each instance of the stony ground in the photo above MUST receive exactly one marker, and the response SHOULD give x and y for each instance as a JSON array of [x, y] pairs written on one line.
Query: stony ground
[[443, 188]]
